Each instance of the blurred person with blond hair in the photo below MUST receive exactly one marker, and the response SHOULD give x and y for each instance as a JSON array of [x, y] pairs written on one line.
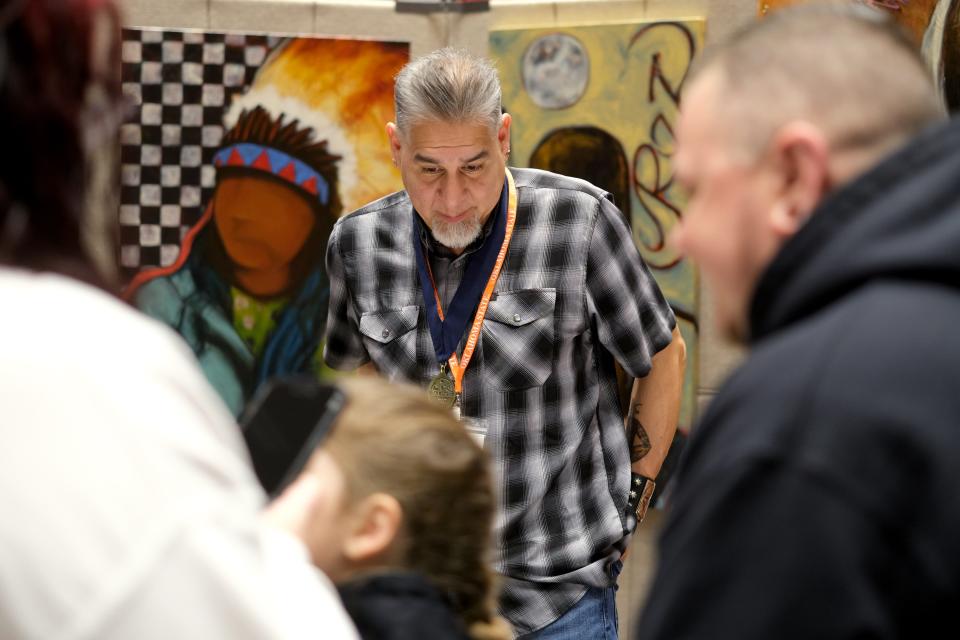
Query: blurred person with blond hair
[[405, 529]]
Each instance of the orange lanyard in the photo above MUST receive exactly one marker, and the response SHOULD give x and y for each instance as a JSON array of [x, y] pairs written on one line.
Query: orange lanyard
[[457, 366]]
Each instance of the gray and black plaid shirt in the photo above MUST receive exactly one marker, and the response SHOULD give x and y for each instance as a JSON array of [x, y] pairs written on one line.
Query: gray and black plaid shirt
[[573, 296]]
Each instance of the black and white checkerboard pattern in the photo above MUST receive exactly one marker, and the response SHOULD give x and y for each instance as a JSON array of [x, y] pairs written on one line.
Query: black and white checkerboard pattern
[[181, 82]]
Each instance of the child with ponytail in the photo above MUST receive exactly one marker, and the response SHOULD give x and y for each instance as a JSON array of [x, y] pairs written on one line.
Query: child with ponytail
[[404, 530]]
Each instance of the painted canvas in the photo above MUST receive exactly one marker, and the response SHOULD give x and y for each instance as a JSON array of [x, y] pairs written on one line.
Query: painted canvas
[[245, 151], [934, 25], [600, 103]]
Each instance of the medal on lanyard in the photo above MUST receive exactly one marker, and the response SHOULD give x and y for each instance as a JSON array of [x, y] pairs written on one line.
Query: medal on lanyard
[[442, 388]]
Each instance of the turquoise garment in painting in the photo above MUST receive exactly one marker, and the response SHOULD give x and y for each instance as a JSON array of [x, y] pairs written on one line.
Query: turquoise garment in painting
[[197, 304]]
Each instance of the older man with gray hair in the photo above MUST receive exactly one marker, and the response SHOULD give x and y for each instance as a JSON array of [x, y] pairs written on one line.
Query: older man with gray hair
[[818, 496], [511, 294]]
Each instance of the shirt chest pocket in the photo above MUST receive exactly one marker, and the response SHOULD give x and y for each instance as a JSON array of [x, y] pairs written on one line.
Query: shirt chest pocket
[[518, 335], [389, 337]]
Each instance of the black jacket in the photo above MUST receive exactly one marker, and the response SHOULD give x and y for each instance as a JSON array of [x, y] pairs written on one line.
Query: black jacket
[[820, 496], [401, 606]]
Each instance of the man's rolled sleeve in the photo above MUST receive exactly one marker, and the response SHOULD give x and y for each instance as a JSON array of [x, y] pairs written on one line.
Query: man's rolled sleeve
[[344, 347], [632, 318]]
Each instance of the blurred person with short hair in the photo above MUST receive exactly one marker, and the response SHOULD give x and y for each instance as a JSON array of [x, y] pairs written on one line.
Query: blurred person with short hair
[[818, 496]]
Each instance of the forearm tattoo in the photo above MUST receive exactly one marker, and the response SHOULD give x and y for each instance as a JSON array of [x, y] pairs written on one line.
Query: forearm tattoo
[[637, 435]]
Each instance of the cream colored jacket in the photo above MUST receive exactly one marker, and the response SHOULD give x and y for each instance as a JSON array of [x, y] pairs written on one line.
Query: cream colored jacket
[[128, 509]]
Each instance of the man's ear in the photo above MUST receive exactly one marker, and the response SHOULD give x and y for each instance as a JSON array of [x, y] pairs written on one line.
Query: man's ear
[[802, 157], [376, 525], [394, 135], [503, 133]]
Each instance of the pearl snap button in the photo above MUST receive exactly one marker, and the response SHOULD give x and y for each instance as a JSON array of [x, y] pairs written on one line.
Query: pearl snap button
[[386, 333], [516, 318]]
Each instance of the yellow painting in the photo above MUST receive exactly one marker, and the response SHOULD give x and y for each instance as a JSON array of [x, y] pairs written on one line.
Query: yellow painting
[[600, 103]]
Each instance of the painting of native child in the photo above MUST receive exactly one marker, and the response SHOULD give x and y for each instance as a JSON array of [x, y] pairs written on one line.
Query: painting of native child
[[244, 151]]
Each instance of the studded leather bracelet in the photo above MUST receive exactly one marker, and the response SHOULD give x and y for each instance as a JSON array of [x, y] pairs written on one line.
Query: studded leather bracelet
[[641, 491]]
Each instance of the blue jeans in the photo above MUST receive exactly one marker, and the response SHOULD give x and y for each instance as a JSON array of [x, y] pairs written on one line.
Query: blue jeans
[[594, 617]]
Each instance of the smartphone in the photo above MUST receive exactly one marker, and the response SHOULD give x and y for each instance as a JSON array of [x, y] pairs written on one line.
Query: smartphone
[[285, 421]]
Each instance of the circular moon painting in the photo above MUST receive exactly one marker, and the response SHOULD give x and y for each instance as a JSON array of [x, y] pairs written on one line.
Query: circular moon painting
[[555, 71]]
